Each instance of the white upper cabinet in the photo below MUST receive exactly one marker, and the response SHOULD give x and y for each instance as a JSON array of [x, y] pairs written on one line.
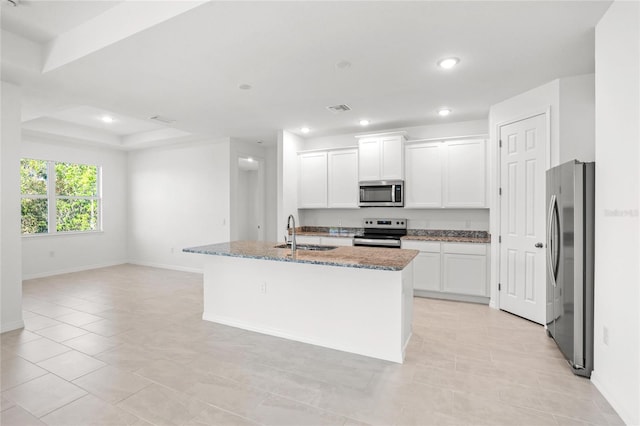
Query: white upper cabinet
[[343, 178], [391, 156], [369, 159], [328, 179], [380, 157], [465, 173], [312, 180], [423, 168], [450, 174]]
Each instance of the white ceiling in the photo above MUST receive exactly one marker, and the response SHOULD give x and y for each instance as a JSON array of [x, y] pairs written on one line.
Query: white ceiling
[[43, 20], [189, 67]]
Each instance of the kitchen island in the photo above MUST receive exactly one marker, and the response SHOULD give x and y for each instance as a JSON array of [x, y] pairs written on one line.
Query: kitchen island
[[354, 299]]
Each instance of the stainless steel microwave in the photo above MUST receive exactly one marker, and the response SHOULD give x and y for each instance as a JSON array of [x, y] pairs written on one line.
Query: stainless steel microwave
[[382, 193]]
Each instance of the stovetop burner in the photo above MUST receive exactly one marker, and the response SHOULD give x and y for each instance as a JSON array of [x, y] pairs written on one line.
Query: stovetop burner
[[381, 233]]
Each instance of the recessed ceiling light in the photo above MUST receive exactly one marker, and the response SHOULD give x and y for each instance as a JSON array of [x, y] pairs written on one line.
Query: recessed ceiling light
[[448, 63], [364, 122], [443, 112], [249, 159], [244, 86], [305, 130], [343, 65], [107, 119]]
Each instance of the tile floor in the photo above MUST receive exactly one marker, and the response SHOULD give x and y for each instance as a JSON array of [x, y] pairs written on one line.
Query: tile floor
[[126, 346]]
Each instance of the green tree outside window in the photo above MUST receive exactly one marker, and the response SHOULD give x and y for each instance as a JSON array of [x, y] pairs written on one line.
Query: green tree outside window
[[70, 190]]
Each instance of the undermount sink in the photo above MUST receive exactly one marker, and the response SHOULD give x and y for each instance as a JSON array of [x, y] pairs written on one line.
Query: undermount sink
[[313, 247]]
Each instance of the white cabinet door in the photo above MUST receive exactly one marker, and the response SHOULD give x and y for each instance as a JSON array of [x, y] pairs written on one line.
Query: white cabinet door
[[465, 173], [426, 272], [312, 180], [369, 159], [423, 185], [465, 269], [426, 265], [343, 178], [391, 154]]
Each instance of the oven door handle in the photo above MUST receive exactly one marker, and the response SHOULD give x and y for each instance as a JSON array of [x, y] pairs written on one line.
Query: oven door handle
[[377, 242]]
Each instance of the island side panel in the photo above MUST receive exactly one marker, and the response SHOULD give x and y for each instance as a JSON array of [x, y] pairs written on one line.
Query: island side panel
[[407, 306], [350, 309]]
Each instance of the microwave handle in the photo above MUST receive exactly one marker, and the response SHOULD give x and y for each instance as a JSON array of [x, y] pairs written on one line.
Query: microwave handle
[[393, 193], [361, 194]]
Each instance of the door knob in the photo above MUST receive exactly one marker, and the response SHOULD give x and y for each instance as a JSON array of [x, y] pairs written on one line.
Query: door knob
[[539, 245]]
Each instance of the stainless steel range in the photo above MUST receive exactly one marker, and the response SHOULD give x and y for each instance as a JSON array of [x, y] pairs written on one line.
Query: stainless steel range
[[381, 233]]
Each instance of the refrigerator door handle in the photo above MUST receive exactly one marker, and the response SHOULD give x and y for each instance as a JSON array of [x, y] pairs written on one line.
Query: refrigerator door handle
[[550, 243]]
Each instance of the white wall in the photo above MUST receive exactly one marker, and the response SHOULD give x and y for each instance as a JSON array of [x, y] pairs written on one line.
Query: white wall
[[577, 138], [287, 148], [10, 261], [55, 254], [617, 276], [178, 197]]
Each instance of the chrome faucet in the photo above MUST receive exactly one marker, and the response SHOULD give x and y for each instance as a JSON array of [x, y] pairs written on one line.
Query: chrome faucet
[[291, 219]]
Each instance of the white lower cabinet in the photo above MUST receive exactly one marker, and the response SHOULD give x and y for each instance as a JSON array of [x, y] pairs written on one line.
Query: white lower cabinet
[[426, 266], [448, 270], [465, 268]]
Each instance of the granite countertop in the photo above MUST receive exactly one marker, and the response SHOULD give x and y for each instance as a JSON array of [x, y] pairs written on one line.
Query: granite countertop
[[441, 235], [327, 231], [386, 259]]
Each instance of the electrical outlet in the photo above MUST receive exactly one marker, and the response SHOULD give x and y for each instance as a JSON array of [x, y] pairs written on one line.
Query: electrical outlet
[[173, 250], [52, 253], [263, 287], [605, 336]]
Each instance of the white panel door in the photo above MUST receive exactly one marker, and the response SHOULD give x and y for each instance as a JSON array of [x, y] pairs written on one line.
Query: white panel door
[[391, 152], [423, 168], [312, 180], [465, 173], [369, 159], [522, 218], [343, 178]]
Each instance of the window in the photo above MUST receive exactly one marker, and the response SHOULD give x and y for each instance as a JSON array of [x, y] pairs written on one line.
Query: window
[[59, 197]]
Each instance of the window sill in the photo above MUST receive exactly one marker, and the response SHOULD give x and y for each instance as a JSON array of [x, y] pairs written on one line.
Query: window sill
[[61, 234]]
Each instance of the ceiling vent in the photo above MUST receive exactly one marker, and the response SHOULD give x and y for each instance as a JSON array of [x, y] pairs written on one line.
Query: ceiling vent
[[339, 108], [163, 120]]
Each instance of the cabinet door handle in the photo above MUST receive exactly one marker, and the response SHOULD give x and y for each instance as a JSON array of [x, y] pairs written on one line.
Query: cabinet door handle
[[539, 245]]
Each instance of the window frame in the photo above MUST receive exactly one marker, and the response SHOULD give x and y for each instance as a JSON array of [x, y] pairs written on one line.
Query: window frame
[[52, 198]]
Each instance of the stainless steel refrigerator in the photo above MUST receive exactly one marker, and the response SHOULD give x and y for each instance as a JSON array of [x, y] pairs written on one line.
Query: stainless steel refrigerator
[[570, 232]]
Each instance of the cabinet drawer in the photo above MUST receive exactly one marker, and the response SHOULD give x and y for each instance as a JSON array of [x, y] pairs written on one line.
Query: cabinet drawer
[[423, 246], [307, 239], [336, 241], [465, 248]]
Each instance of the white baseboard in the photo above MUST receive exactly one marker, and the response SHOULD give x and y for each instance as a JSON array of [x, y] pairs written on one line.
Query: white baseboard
[[165, 266], [74, 269], [626, 417], [297, 337], [10, 326]]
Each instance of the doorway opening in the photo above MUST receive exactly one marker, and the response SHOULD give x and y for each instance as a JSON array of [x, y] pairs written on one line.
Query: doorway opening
[[250, 199]]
